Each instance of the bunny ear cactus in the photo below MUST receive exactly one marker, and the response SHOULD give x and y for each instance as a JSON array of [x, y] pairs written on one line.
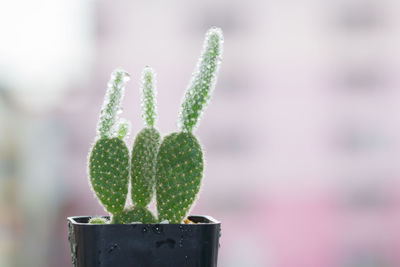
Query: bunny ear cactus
[[146, 145], [109, 157], [144, 152], [109, 160], [173, 168], [180, 163]]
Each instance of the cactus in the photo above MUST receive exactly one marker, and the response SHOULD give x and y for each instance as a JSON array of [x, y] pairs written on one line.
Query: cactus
[[172, 167], [109, 172], [109, 157], [203, 81], [146, 145], [179, 168]]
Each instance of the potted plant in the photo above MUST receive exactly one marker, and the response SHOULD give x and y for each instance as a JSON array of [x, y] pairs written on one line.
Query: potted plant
[[171, 168]]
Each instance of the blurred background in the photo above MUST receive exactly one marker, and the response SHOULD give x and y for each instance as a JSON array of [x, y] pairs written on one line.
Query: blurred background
[[302, 137]]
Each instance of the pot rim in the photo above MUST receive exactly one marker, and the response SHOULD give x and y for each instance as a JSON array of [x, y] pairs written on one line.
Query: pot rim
[[198, 219]]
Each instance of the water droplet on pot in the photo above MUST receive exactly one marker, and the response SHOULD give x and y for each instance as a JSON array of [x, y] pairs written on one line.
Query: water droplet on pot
[[157, 229], [112, 248], [181, 242]]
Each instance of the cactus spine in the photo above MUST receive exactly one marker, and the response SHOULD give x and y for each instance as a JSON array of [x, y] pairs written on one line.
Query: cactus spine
[[180, 164], [173, 166]]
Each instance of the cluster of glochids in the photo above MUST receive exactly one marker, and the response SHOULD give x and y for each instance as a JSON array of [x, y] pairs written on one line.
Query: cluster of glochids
[[169, 167]]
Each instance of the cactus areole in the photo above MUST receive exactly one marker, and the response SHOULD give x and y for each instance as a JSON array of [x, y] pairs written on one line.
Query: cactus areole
[[165, 170]]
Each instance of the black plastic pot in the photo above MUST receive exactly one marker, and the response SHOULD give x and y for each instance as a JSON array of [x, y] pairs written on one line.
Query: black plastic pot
[[144, 245]]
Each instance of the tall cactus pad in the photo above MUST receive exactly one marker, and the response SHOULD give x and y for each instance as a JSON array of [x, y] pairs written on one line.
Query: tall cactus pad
[[109, 173], [203, 80], [179, 171], [143, 166], [133, 214], [112, 103], [148, 92]]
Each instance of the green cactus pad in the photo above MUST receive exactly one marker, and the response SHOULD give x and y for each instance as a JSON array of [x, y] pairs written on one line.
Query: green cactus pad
[[203, 81], [143, 166], [148, 91], [112, 103], [124, 127], [109, 173], [133, 214], [179, 171], [98, 220]]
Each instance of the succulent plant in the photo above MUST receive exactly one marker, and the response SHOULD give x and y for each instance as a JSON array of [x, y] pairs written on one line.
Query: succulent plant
[[146, 145], [172, 168], [109, 157], [180, 161]]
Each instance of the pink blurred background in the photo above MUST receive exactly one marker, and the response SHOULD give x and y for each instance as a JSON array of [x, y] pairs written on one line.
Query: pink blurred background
[[302, 137]]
